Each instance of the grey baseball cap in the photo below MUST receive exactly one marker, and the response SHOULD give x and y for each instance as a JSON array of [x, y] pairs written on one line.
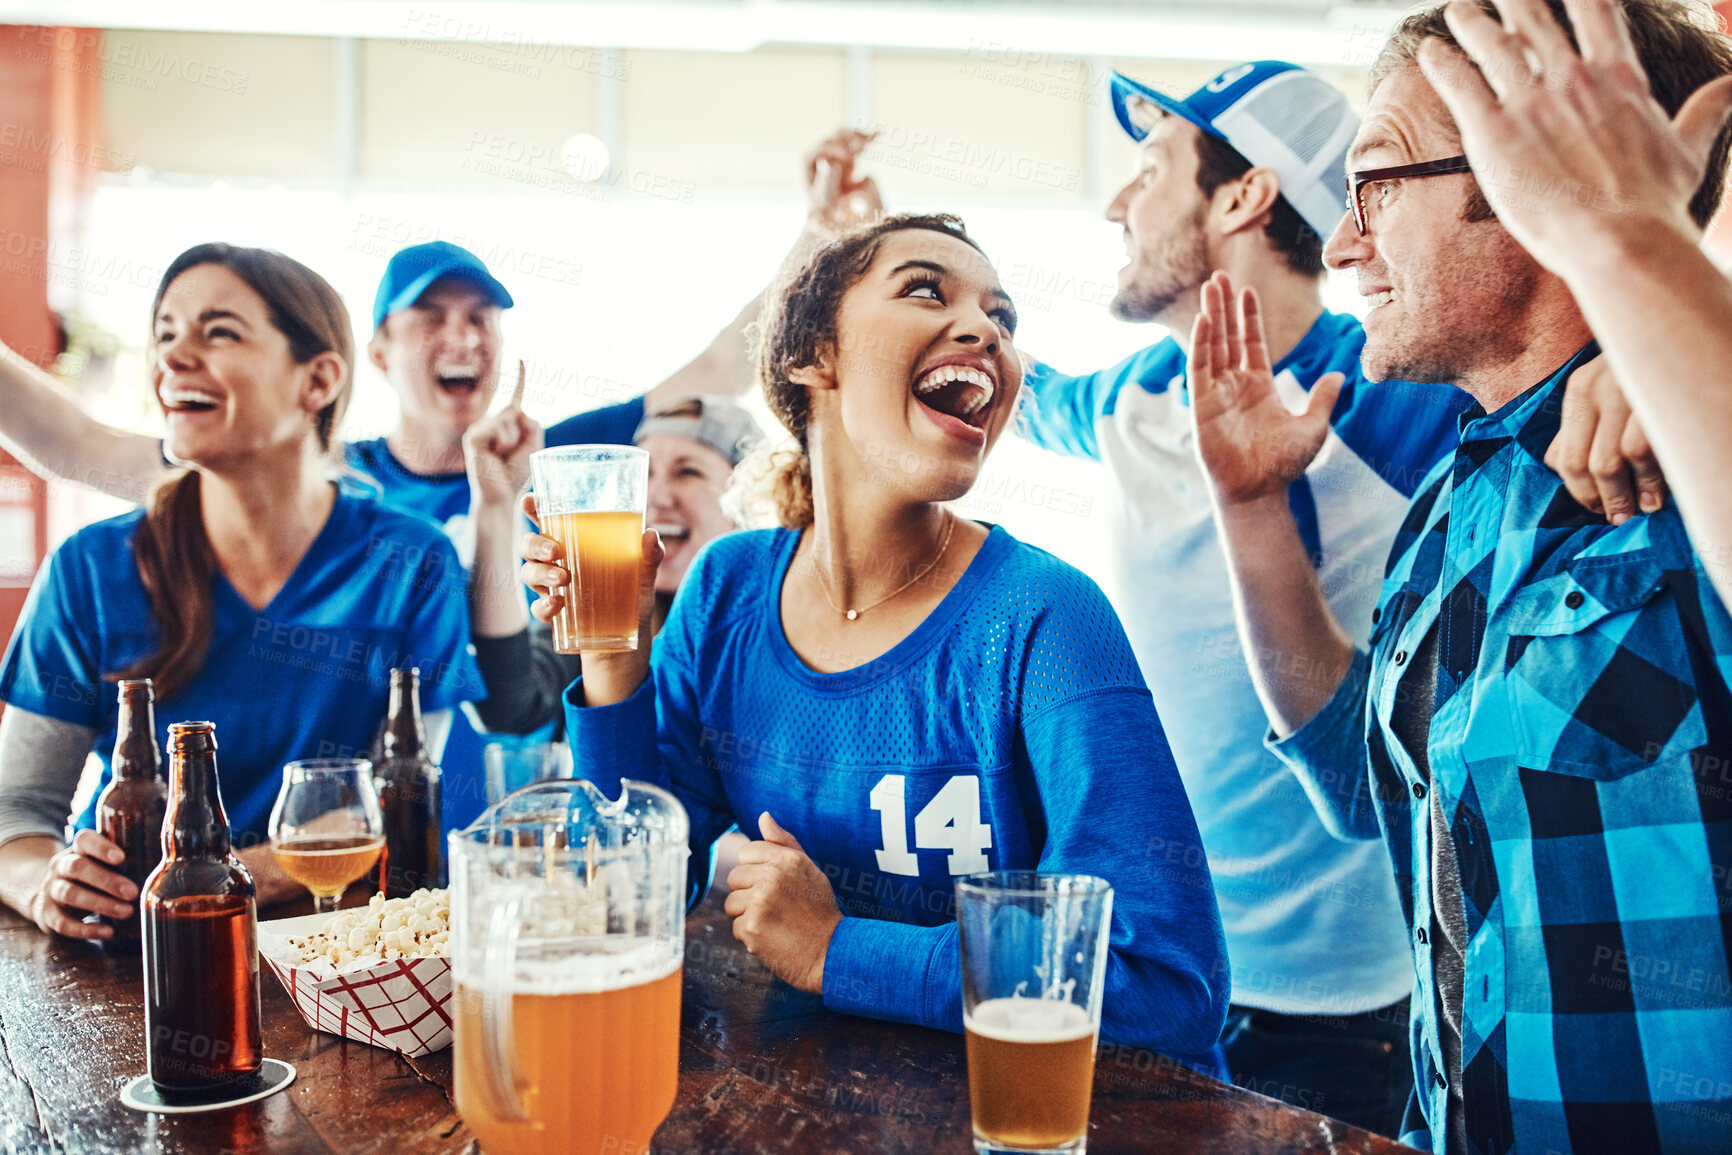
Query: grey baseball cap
[[721, 423]]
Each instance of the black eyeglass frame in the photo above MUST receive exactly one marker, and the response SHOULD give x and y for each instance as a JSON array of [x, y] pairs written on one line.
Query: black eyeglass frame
[[1358, 180]]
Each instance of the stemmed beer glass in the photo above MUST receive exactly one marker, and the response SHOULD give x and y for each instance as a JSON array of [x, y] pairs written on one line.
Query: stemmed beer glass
[[326, 828]]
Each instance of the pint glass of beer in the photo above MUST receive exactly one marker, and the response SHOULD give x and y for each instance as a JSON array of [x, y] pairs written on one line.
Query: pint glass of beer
[[1034, 956], [590, 499], [567, 938]]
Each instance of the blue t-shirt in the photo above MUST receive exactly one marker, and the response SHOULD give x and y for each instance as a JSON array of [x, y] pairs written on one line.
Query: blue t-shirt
[[1290, 894], [307, 676], [1010, 730], [609, 425]]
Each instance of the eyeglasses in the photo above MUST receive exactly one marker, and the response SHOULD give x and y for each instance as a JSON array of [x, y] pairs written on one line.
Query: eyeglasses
[[1358, 180]]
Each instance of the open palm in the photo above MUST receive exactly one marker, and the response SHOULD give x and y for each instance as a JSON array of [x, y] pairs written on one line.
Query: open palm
[[1251, 445]]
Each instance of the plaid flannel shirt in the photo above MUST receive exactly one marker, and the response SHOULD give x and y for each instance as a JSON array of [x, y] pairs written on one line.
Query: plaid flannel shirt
[[1582, 746]]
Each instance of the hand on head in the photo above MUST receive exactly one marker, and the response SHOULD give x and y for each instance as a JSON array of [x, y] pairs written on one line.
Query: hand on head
[[1571, 147], [782, 906]]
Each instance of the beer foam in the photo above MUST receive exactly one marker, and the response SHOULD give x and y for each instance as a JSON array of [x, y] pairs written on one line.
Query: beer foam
[[1029, 1021], [620, 962]]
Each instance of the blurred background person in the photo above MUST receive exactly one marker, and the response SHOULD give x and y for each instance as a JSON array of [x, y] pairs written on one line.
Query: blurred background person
[[253, 590]]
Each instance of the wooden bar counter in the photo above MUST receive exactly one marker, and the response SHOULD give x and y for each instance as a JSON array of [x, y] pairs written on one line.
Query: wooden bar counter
[[763, 1068]]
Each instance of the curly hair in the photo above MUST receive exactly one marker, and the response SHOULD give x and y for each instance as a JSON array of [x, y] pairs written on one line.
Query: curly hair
[[800, 331]]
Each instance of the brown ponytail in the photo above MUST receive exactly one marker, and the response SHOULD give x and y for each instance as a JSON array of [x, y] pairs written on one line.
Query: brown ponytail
[[175, 559], [802, 331]]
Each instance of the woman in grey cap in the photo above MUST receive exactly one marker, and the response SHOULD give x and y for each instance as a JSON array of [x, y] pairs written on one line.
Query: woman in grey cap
[[693, 446]]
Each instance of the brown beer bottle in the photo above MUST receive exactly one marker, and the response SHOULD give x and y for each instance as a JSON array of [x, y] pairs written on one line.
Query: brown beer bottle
[[200, 922], [130, 808], [408, 784]]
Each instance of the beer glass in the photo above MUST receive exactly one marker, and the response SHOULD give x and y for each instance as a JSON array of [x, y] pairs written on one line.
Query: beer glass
[[513, 761], [567, 935], [590, 499], [1034, 957], [326, 828]]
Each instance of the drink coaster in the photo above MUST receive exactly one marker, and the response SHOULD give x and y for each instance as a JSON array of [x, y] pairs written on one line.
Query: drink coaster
[[273, 1076]]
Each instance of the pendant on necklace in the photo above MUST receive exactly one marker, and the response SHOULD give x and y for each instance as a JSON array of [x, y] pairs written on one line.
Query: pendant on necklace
[[852, 614]]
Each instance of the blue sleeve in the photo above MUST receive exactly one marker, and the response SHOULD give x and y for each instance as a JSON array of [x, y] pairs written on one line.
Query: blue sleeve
[[1060, 412], [52, 666], [437, 632], [1329, 757], [656, 735], [1114, 807], [1399, 428], [609, 425]]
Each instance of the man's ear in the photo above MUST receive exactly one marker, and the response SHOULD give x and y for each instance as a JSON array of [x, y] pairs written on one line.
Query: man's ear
[[325, 376], [1247, 202], [376, 348]]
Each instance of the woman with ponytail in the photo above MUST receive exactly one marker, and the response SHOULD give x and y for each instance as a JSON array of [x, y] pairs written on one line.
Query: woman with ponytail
[[890, 695], [252, 589]]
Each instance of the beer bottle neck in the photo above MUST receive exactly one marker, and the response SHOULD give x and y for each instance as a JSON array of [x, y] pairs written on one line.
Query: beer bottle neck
[[404, 737], [136, 753], [196, 825]]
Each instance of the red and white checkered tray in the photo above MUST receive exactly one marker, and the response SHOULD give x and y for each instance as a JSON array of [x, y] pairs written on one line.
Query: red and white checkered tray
[[404, 1005]]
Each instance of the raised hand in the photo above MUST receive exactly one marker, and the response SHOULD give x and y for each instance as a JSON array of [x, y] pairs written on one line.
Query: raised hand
[[782, 906], [1569, 147], [837, 198], [496, 452], [1251, 445]]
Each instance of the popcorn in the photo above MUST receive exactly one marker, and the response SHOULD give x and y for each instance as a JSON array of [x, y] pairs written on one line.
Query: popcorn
[[385, 930]]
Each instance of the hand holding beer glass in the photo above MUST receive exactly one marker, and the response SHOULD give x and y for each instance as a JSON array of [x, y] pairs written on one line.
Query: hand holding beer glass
[[326, 828], [1034, 955], [590, 499]]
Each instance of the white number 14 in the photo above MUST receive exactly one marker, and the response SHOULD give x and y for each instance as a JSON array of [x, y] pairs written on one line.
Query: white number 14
[[951, 821]]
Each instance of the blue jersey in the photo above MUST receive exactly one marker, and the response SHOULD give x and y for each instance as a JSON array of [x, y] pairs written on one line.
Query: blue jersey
[[307, 676], [1290, 894], [1010, 731], [609, 425]]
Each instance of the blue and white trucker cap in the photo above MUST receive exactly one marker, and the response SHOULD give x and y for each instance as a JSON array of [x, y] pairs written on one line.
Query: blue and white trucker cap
[[1276, 115]]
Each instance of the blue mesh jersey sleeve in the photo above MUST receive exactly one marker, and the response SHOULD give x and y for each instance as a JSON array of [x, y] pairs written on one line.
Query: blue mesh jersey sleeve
[[1059, 411], [608, 425], [50, 668], [1010, 730]]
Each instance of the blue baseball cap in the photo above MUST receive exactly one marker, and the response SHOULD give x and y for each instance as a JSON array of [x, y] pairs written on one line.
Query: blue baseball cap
[[1277, 115], [413, 269]]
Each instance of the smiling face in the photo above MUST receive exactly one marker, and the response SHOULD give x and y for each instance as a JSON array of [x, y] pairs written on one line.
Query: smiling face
[[441, 354], [1164, 215], [686, 479], [924, 374], [228, 384], [1446, 295]]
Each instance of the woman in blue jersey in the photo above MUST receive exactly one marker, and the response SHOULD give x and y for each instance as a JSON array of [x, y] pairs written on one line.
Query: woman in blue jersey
[[250, 589], [893, 696]]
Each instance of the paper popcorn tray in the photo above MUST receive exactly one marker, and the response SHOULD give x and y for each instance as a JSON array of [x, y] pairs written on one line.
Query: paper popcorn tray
[[403, 1005]]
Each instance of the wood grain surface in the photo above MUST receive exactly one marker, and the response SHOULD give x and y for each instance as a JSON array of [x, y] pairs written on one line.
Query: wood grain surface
[[763, 1068]]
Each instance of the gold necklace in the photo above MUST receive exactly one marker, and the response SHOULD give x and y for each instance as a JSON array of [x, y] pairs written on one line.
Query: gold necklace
[[949, 527]]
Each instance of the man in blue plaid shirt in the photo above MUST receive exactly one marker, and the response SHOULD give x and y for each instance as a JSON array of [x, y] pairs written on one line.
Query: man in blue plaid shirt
[[1542, 729]]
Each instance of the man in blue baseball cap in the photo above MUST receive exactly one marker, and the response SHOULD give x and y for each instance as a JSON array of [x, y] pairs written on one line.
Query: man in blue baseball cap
[[1246, 175]]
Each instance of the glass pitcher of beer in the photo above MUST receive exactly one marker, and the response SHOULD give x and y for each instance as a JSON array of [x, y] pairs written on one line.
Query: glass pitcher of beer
[[567, 935]]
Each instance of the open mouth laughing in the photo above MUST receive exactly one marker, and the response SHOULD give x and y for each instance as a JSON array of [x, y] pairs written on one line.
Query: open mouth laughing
[[957, 393], [190, 399]]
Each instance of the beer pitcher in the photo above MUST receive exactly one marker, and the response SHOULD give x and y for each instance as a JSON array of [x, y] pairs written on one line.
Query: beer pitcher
[[567, 937]]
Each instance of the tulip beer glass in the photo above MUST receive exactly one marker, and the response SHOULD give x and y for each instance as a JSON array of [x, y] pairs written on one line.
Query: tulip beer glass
[[567, 935], [590, 499], [1034, 955], [326, 827]]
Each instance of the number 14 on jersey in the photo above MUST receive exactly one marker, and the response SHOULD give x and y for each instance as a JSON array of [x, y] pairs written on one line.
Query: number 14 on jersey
[[951, 821]]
